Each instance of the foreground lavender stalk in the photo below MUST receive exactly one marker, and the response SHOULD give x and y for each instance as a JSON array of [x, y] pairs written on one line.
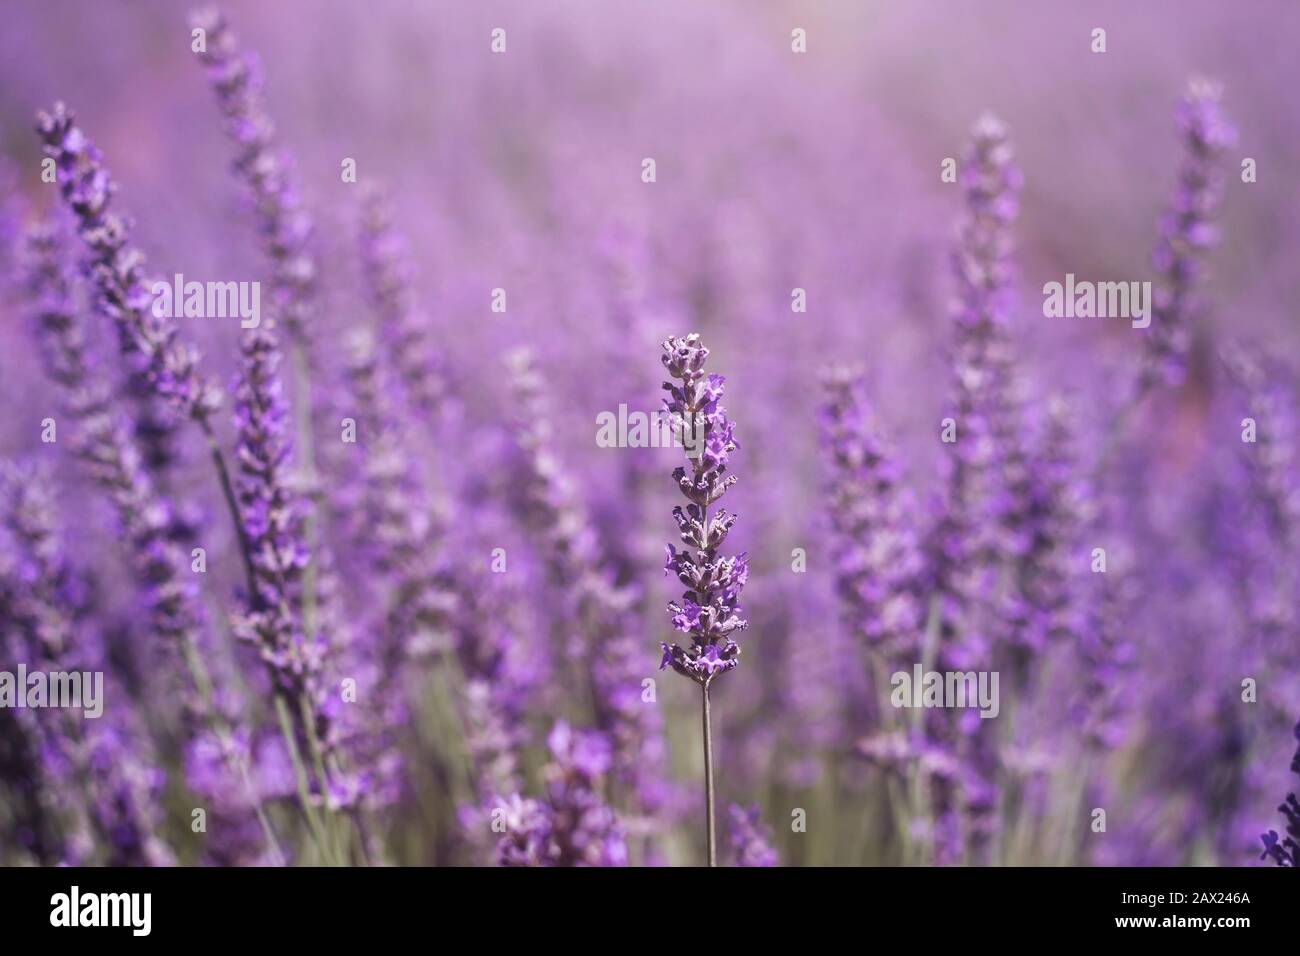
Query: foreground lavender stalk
[[709, 611], [1187, 234]]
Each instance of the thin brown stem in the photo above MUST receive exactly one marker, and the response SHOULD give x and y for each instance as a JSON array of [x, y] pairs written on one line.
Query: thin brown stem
[[232, 503], [710, 826]]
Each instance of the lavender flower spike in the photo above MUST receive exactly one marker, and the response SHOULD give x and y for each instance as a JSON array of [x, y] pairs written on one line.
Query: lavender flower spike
[[1286, 851], [573, 827], [285, 225], [271, 525], [878, 561], [117, 271], [104, 444], [405, 328], [748, 841], [709, 610], [1187, 233]]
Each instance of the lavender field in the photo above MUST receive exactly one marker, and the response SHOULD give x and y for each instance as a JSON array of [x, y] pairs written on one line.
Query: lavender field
[[649, 433]]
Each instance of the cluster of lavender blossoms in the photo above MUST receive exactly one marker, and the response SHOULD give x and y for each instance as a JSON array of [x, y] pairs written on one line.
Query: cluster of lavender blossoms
[[879, 564], [1286, 850], [750, 845], [1187, 233], [709, 610], [116, 270], [573, 827], [276, 553]]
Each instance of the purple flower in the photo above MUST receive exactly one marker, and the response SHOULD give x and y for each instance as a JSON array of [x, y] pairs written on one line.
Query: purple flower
[[878, 561], [149, 341], [708, 611], [404, 327], [284, 224], [573, 826], [1285, 851], [750, 843], [97, 766], [980, 529], [400, 539], [1187, 234], [292, 651]]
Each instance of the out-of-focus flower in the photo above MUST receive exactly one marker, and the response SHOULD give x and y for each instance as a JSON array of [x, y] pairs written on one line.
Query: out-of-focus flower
[[1187, 233], [284, 224], [749, 843], [573, 826]]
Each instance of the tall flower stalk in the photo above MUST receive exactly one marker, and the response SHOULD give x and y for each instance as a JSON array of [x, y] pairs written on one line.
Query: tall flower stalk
[[1187, 234], [286, 231], [116, 271], [404, 328], [709, 610], [879, 571], [293, 653], [976, 535], [877, 555]]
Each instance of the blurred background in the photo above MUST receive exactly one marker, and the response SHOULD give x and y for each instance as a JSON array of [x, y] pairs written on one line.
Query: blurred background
[[522, 171]]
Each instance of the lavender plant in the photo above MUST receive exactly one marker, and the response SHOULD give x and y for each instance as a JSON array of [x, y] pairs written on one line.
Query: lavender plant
[[709, 610], [1285, 851], [1187, 233], [599, 627]]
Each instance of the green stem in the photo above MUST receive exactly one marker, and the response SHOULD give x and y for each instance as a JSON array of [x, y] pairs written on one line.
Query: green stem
[[300, 776]]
